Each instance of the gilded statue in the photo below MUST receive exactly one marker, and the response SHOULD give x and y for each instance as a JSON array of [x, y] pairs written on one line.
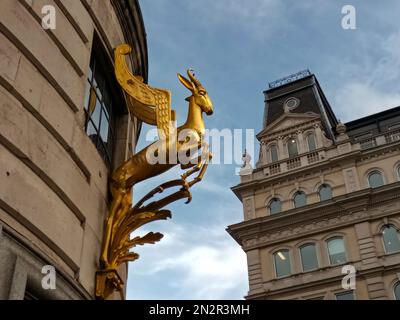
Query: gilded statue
[[183, 145]]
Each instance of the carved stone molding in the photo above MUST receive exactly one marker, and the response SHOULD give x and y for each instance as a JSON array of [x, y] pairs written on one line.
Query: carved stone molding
[[351, 208], [303, 229]]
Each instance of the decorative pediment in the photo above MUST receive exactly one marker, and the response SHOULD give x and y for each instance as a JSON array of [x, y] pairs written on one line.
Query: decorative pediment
[[288, 120]]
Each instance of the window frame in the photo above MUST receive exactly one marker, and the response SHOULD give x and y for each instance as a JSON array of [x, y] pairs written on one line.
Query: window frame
[[323, 186], [308, 142], [269, 205], [395, 285], [316, 255], [275, 253], [346, 258], [345, 292], [372, 172], [270, 158], [383, 240], [294, 197], [290, 140], [112, 104]]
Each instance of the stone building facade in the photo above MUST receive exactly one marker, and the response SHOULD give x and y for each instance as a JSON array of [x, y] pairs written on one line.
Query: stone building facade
[[323, 195], [64, 125]]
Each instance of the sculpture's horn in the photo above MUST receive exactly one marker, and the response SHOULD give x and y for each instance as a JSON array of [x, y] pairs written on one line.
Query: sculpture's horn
[[192, 77]]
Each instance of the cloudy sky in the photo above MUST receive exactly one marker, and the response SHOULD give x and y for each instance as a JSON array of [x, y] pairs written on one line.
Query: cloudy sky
[[236, 47]]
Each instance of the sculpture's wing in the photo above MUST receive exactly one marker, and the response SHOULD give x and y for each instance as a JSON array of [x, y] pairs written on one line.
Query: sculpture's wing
[[165, 116], [151, 105]]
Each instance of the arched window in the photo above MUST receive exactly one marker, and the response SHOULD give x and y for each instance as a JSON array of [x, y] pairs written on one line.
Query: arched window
[[375, 179], [398, 172], [282, 263], [336, 250], [275, 206], [397, 291], [391, 239], [292, 148], [325, 192], [273, 153], [308, 254], [299, 199], [311, 142]]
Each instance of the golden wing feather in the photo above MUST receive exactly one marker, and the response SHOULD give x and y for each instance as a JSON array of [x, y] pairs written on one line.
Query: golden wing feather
[[150, 105]]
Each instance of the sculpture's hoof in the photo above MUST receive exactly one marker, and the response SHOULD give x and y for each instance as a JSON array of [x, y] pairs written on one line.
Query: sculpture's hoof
[[189, 199]]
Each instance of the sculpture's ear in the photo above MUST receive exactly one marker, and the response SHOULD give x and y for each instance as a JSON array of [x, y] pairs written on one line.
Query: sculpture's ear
[[187, 83]]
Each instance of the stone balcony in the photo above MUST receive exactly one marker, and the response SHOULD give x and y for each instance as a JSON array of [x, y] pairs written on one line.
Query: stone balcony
[[293, 163]]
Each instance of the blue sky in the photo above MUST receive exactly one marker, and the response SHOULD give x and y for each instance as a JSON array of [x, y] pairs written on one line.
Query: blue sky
[[236, 47]]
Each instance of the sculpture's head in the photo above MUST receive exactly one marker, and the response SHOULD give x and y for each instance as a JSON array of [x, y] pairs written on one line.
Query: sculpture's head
[[199, 94]]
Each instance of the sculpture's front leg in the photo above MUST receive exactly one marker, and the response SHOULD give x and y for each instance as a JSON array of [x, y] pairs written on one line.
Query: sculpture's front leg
[[202, 170], [118, 195]]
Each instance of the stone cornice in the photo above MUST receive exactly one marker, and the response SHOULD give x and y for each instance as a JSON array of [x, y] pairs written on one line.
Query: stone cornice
[[340, 211]]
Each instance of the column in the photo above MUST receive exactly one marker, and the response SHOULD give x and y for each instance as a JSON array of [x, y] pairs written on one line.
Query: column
[[318, 136], [302, 148]]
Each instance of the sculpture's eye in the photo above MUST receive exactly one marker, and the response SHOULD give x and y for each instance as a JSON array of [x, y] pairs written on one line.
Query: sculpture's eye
[[202, 93]]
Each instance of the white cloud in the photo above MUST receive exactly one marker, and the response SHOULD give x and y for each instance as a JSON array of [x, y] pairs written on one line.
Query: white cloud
[[372, 82], [205, 262], [258, 17], [388, 67], [357, 99]]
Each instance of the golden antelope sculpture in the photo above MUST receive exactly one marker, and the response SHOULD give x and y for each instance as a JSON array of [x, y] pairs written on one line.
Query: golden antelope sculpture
[[152, 106]]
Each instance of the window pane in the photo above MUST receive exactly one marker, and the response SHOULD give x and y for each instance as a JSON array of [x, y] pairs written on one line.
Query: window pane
[[345, 296], [309, 258], [300, 199], [95, 114], [275, 206], [336, 251], [99, 81], [274, 153], [282, 263], [92, 132], [292, 148], [375, 179], [325, 192], [391, 239], [104, 127], [311, 142], [397, 291]]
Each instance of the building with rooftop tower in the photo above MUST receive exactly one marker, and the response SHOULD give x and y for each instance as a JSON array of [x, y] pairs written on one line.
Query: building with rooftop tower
[[323, 195]]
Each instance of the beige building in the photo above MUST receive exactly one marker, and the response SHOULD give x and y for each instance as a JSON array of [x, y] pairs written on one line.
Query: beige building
[[64, 124], [323, 195]]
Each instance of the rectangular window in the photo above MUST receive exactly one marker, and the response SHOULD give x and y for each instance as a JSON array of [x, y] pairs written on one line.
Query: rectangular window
[[282, 263], [101, 104], [336, 250], [309, 259], [349, 295]]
